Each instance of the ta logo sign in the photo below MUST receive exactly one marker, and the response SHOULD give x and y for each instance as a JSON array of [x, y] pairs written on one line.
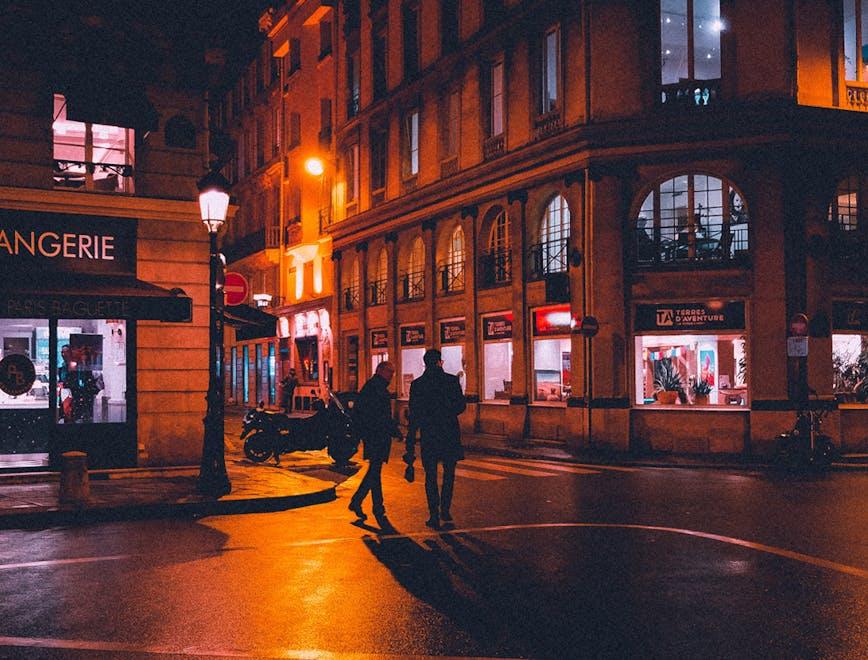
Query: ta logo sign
[[665, 317]]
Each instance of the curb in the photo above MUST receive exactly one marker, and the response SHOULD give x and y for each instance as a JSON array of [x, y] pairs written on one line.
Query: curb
[[507, 452], [52, 516]]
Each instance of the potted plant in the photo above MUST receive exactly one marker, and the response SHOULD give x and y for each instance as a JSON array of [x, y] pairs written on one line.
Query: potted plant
[[701, 390], [667, 382]]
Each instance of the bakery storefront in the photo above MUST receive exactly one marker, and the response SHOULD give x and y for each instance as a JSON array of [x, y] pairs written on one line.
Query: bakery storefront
[[69, 303]]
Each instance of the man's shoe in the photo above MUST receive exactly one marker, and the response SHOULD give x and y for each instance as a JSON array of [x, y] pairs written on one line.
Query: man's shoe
[[433, 523], [384, 523], [356, 508], [445, 516]]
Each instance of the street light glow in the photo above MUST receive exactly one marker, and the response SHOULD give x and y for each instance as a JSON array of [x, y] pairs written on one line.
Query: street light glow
[[314, 166]]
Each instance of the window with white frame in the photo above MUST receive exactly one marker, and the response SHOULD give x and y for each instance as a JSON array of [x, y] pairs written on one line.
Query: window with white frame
[[91, 156], [690, 48], [850, 367], [497, 261], [351, 286], [856, 40], [377, 285], [410, 160], [497, 357], [351, 172], [495, 95], [844, 211], [413, 278], [550, 256], [550, 63], [691, 218], [452, 272]]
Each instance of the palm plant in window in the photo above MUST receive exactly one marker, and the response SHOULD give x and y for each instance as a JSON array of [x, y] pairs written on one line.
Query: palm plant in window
[[668, 385]]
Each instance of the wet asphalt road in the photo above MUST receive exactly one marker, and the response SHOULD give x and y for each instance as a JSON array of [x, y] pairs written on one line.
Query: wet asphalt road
[[559, 563]]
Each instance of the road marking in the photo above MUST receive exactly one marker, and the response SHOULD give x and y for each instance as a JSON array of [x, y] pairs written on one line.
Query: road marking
[[760, 547], [480, 476], [542, 463], [507, 468], [563, 467]]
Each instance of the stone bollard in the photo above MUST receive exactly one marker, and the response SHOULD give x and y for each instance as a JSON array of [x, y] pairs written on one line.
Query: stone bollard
[[74, 483]]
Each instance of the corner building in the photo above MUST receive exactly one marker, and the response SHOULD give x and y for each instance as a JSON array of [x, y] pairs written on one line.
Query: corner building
[[104, 259], [691, 173]]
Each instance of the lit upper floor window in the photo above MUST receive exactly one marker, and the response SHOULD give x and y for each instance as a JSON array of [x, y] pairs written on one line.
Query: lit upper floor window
[[691, 218], [690, 51], [91, 156], [856, 40], [848, 216], [410, 160], [550, 61]]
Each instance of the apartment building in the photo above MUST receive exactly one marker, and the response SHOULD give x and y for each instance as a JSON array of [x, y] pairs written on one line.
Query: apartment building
[[690, 173]]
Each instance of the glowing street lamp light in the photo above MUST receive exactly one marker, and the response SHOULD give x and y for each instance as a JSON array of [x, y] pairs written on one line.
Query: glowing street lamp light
[[314, 166], [213, 206]]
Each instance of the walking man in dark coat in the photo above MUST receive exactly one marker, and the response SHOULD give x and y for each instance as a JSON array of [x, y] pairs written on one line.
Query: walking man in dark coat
[[373, 412], [436, 400]]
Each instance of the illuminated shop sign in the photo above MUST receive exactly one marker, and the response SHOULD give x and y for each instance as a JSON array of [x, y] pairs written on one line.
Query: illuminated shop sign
[[57, 242], [498, 326], [452, 332], [852, 316], [708, 315], [379, 339], [551, 321], [413, 335]]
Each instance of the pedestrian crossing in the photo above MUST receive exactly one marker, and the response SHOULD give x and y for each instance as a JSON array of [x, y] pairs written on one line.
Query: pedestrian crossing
[[495, 468]]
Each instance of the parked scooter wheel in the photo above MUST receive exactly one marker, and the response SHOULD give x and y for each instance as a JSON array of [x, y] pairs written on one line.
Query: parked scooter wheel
[[258, 447]]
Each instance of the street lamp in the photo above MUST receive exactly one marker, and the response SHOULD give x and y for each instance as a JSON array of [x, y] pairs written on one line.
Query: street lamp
[[213, 205]]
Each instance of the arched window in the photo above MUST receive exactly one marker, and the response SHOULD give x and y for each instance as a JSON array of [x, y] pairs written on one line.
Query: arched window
[[550, 256], [452, 274], [413, 280], [691, 218], [497, 263], [351, 287], [378, 283]]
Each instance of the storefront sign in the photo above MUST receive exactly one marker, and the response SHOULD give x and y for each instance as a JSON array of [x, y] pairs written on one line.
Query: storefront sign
[[158, 308], [56, 242], [497, 327], [452, 332], [710, 315], [413, 335], [17, 374], [379, 339], [851, 316], [797, 347], [551, 321]]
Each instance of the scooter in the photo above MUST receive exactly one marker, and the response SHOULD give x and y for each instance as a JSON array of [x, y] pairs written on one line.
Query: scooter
[[806, 446], [266, 433]]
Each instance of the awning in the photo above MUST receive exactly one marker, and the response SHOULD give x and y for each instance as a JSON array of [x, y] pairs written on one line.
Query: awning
[[74, 296], [250, 323]]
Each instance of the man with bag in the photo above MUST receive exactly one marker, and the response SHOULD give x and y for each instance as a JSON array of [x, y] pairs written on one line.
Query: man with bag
[[436, 400], [373, 413]]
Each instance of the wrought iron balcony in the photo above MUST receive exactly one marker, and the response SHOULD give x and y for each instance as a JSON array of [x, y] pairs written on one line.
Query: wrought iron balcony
[[687, 94], [494, 146], [495, 268], [707, 242], [450, 275], [857, 96], [350, 298], [547, 257], [412, 285], [98, 177], [377, 292], [256, 241]]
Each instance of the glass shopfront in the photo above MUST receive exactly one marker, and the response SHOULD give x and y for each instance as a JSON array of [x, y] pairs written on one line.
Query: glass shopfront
[[551, 353], [412, 354], [452, 335], [379, 348], [691, 354], [497, 356], [850, 351], [69, 302]]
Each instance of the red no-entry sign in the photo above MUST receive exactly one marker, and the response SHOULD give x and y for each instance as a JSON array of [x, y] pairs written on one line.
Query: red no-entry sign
[[235, 289]]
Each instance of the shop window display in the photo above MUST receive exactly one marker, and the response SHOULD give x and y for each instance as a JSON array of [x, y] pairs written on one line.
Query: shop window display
[[551, 369], [91, 371], [27, 338], [850, 367], [497, 357], [412, 367], [453, 362], [701, 370]]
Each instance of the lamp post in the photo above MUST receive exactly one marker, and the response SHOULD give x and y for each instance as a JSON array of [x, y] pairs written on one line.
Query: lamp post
[[315, 166], [213, 206]]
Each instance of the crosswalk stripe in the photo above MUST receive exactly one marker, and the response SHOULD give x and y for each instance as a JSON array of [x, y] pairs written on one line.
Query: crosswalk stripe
[[507, 468], [551, 464], [547, 466], [480, 476]]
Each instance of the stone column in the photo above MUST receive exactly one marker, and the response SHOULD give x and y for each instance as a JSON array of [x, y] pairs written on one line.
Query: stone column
[[517, 423], [429, 232], [364, 339], [469, 420], [337, 339], [576, 419]]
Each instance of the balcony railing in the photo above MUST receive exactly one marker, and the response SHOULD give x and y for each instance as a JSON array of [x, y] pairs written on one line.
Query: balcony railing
[[256, 241], [377, 292], [292, 231], [708, 242], [494, 146], [857, 96], [272, 237], [99, 177], [495, 267], [691, 94], [448, 167], [450, 275], [412, 285], [547, 124], [547, 257], [350, 298]]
